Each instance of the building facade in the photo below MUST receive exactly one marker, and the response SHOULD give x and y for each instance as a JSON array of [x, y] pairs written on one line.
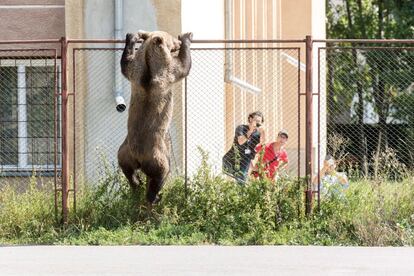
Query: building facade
[[223, 86]]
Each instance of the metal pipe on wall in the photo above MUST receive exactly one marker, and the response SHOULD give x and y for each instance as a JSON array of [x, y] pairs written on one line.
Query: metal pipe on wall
[[118, 91]]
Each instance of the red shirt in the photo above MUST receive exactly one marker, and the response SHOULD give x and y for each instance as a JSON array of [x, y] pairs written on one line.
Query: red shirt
[[271, 159]]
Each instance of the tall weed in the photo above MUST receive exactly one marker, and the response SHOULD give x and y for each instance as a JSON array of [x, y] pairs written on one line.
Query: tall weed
[[213, 210], [27, 216]]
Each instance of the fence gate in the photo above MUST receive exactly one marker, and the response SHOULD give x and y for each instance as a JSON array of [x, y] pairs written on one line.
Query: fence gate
[[226, 83], [98, 121]]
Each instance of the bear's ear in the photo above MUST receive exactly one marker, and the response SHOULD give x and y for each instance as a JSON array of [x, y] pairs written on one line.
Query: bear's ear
[[158, 40], [143, 34]]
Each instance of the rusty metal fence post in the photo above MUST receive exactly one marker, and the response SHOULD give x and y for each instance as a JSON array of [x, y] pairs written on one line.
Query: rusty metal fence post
[[309, 137], [65, 164]]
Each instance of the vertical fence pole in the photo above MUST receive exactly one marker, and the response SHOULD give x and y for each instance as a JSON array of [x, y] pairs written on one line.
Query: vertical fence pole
[[74, 128], [65, 164], [299, 124], [55, 133], [319, 128], [308, 154], [185, 139]]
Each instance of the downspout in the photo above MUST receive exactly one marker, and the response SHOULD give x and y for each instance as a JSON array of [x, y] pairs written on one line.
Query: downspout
[[118, 91]]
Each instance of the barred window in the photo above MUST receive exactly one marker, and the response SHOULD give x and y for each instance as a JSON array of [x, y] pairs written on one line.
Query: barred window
[[27, 116]]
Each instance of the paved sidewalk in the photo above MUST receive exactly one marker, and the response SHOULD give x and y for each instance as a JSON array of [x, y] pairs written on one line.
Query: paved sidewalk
[[205, 260]]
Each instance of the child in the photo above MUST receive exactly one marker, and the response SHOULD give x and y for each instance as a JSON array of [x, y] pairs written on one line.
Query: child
[[270, 158], [330, 180]]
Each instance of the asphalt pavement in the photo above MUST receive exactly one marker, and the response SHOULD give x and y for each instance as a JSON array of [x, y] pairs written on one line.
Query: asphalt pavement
[[205, 260]]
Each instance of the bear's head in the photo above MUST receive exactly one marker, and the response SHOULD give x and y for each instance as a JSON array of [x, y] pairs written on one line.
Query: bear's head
[[159, 44]]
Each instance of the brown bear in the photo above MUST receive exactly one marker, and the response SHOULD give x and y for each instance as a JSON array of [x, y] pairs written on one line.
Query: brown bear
[[152, 69]]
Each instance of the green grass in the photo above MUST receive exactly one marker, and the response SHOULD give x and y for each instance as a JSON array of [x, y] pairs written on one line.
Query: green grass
[[216, 211]]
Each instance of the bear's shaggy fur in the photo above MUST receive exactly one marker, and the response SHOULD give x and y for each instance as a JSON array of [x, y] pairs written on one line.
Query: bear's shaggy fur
[[160, 61]]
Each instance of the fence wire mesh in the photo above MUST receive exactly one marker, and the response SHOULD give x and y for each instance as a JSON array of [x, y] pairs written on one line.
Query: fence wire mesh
[[223, 88], [364, 116], [208, 106], [99, 128], [369, 109], [29, 113]]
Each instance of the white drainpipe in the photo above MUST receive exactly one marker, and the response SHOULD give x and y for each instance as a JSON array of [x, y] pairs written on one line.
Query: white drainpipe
[[118, 92]]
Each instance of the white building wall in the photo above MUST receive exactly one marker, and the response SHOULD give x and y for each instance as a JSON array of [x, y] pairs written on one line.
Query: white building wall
[[205, 87], [206, 128], [106, 128]]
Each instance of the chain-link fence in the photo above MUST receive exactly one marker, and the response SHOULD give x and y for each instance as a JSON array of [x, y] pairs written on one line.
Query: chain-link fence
[[100, 122], [369, 108], [99, 129], [29, 110], [30, 129], [362, 108], [224, 86]]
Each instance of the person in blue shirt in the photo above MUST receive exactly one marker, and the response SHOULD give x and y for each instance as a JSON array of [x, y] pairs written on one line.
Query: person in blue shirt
[[330, 180]]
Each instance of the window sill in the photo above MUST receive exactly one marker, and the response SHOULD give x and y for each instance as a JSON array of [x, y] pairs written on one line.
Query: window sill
[[28, 172]]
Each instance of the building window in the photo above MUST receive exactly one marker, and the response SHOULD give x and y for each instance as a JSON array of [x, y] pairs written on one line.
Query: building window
[[27, 116]]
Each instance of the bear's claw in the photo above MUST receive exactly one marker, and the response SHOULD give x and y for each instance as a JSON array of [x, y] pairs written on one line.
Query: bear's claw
[[186, 36]]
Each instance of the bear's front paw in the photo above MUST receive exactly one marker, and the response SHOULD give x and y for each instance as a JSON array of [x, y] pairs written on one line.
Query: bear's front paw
[[131, 38], [186, 37]]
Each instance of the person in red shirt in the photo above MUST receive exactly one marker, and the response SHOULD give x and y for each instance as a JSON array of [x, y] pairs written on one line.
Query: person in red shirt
[[270, 157]]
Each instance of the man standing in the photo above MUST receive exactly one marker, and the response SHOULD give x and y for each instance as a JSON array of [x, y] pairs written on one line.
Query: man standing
[[236, 161]]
